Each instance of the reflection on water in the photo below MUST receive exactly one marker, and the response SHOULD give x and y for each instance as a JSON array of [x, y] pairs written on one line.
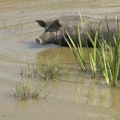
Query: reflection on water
[[97, 95], [87, 90], [80, 88], [94, 94], [78, 99]]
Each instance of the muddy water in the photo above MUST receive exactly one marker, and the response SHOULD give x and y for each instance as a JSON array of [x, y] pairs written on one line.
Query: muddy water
[[67, 101]]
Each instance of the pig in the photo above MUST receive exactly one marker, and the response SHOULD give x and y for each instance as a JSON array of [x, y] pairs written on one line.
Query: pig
[[57, 30]]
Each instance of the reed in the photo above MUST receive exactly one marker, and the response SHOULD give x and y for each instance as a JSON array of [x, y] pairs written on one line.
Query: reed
[[107, 54], [77, 50], [93, 57], [110, 59]]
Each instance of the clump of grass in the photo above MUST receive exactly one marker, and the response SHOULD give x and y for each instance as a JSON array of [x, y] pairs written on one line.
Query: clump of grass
[[24, 89], [108, 52], [110, 59], [51, 70], [111, 64], [77, 50]]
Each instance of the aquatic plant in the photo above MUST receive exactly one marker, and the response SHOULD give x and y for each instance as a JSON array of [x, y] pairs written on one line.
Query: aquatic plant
[[50, 70], [93, 57], [106, 54], [110, 59], [24, 89], [77, 50]]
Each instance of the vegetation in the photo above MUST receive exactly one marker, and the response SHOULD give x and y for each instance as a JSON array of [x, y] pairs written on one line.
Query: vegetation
[[50, 70], [110, 60], [108, 63], [107, 54], [25, 89], [93, 57], [77, 50]]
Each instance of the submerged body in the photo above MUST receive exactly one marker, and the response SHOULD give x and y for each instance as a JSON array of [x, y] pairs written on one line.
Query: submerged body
[[56, 30]]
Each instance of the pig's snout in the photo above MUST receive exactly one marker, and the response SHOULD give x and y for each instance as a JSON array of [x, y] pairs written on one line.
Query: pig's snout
[[38, 41]]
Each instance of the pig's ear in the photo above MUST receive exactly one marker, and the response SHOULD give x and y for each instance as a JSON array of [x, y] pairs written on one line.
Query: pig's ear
[[41, 23], [57, 23]]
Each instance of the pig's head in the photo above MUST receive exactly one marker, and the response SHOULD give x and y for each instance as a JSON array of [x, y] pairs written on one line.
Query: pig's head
[[52, 31]]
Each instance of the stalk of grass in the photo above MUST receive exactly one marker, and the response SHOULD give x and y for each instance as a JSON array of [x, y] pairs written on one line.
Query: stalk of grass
[[110, 67], [93, 60], [105, 66], [108, 30], [116, 63], [77, 50]]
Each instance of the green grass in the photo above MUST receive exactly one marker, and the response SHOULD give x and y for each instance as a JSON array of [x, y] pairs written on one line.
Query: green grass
[[107, 55], [51, 69], [93, 57], [48, 70], [77, 50], [110, 62], [25, 89]]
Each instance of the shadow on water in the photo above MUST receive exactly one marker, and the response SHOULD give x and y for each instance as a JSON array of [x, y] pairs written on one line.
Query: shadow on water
[[33, 45]]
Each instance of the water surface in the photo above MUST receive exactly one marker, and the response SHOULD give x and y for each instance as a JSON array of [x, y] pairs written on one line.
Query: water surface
[[80, 99]]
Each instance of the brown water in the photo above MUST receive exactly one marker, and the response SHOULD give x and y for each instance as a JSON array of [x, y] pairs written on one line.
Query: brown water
[[81, 100]]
